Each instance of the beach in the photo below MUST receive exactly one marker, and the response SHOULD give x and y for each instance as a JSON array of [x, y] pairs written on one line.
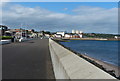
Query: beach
[[107, 66]]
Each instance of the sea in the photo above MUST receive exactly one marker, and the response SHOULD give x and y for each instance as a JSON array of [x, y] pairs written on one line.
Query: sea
[[106, 51]]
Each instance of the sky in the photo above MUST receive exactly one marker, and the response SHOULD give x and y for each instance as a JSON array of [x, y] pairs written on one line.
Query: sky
[[89, 17], [60, 0]]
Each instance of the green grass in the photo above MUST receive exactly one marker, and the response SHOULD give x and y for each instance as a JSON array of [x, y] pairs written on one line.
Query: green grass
[[5, 37]]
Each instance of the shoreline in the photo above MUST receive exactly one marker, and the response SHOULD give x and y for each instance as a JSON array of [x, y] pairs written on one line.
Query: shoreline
[[99, 39], [107, 67]]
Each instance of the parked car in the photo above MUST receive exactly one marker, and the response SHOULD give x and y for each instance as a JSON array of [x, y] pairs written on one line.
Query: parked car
[[22, 39]]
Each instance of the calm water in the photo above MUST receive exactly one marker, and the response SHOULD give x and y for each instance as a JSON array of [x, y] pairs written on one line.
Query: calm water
[[106, 51]]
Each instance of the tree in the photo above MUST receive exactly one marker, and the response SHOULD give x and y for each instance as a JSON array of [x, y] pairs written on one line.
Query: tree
[[3, 29]]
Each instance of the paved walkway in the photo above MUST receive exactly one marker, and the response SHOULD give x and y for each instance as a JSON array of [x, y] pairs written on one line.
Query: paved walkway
[[27, 60]]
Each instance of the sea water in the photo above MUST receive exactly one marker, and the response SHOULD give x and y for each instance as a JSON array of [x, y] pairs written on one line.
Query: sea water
[[107, 51]]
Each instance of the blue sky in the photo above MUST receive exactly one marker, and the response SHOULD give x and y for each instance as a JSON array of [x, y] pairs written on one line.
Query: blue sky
[[98, 17], [59, 6]]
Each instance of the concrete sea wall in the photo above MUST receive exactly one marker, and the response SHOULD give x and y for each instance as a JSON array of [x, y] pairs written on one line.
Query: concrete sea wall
[[67, 65]]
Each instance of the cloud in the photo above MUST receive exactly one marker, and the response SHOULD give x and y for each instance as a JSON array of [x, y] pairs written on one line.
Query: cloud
[[85, 18], [65, 9], [5, 0], [98, 19]]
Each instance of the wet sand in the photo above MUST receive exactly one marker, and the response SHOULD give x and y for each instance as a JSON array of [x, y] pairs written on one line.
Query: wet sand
[[108, 66]]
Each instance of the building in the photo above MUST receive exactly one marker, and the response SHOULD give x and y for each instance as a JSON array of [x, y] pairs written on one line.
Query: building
[[32, 30], [61, 33], [57, 35], [76, 31], [81, 31], [116, 37], [18, 33], [40, 34], [77, 34], [68, 36], [8, 33], [34, 35], [73, 31], [47, 35], [80, 35], [3, 28]]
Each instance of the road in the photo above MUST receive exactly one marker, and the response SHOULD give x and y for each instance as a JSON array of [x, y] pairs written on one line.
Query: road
[[27, 60]]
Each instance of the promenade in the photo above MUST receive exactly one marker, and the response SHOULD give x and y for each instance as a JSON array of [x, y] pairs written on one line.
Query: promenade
[[27, 60]]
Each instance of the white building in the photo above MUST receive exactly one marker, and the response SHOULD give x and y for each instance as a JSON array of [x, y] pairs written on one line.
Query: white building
[[76, 31], [61, 33], [34, 35], [80, 35], [47, 35], [73, 31], [116, 37], [58, 35], [81, 31], [68, 36]]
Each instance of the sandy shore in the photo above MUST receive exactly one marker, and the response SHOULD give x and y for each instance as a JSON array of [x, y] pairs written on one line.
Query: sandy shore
[[108, 66]]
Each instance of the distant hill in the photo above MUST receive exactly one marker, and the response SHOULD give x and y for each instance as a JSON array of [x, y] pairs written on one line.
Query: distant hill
[[99, 35]]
